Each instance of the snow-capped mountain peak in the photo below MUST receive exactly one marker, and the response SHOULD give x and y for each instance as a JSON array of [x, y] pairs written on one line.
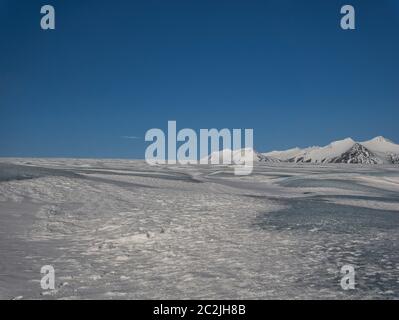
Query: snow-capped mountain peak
[[343, 142], [381, 145], [357, 154], [380, 139]]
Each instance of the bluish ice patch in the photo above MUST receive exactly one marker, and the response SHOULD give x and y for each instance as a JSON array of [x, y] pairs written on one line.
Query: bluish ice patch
[[331, 235]]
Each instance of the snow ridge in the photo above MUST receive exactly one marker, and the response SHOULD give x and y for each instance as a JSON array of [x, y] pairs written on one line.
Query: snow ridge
[[246, 155]]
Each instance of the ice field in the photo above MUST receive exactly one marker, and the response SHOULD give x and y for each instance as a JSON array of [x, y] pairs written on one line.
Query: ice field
[[120, 229]]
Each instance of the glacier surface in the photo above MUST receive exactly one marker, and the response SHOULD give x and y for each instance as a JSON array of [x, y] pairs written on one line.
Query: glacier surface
[[120, 229]]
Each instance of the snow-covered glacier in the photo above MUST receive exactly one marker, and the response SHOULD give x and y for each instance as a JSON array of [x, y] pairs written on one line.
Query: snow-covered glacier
[[120, 229]]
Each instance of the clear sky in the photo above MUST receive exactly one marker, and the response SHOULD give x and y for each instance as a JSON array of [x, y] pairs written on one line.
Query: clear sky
[[114, 69]]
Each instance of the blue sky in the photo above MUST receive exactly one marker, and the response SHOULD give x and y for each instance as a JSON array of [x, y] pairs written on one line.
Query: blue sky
[[114, 69]]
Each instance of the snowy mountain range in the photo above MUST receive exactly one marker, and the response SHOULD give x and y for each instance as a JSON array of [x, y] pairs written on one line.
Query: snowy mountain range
[[375, 151]]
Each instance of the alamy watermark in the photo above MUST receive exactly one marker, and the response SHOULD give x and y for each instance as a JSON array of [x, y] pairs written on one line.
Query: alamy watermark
[[47, 22], [348, 20], [47, 282], [164, 149], [348, 279]]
